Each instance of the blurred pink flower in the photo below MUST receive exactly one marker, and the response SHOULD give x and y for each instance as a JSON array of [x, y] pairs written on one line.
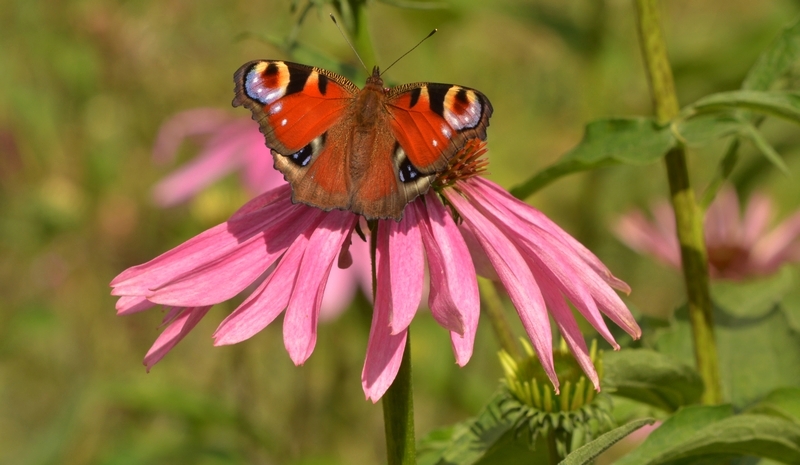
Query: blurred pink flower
[[539, 264], [230, 144], [738, 245]]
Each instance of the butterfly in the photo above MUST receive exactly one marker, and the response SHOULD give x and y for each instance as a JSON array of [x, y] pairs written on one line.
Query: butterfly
[[370, 151]]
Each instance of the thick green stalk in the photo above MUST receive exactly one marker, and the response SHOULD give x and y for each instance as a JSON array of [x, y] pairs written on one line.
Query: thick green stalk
[[398, 415], [398, 402], [688, 217]]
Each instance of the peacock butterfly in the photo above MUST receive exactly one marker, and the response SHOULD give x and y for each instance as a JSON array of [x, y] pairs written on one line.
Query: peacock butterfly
[[370, 151]]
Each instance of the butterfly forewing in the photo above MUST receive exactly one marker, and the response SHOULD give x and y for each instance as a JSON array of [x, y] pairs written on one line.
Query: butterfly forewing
[[433, 121], [293, 103]]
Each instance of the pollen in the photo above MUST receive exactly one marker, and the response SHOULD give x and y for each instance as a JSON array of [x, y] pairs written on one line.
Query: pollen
[[467, 162]]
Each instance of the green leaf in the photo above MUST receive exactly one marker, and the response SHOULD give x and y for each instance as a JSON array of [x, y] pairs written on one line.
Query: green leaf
[[783, 402], [758, 352], [588, 452], [776, 60], [755, 136], [678, 429], [637, 141], [754, 297], [706, 128], [777, 103], [652, 378], [470, 441], [702, 433]]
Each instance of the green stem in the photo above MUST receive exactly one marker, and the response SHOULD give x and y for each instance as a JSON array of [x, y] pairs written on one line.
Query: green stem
[[398, 402], [552, 448], [688, 217], [398, 415], [494, 310]]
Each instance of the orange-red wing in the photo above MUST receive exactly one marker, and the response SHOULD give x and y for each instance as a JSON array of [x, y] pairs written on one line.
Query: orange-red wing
[[433, 121], [293, 103]]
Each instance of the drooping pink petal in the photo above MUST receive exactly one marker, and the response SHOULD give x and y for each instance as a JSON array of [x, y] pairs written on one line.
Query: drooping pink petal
[[206, 246], [496, 194], [177, 330], [441, 246], [576, 278], [559, 262], [516, 278], [259, 202], [385, 347], [483, 267], [460, 280], [127, 305], [406, 268], [339, 292], [300, 322], [224, 277], [265, 303], [567, 325], [343, 283]]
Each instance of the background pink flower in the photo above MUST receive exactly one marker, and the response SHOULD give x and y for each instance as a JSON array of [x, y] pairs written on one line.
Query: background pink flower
[[229, 144], [738, 244]]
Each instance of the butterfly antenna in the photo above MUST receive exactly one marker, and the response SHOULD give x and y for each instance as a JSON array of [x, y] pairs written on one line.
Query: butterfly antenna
[[412, 49], [333, 18]]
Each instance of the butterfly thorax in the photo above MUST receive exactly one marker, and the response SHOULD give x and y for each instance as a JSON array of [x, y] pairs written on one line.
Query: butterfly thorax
[[370, 104]]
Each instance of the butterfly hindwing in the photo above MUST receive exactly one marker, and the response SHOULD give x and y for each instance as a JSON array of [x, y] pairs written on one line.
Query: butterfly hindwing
[[433, 121], [300, 110]]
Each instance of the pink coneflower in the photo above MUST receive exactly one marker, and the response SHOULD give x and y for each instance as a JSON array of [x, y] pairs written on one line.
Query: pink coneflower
[[229, 144], [539, 264], [235, 144], [738, 245]]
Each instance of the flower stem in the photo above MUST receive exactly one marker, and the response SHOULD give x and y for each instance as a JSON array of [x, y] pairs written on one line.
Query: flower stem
[[688, 217], [398, 415], [552, 449], [497, 317], [398, 402]]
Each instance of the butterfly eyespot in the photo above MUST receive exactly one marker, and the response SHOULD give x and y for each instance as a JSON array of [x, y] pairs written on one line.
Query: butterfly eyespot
[[462, 108], [304, 156], [266, 82], [407, 172]]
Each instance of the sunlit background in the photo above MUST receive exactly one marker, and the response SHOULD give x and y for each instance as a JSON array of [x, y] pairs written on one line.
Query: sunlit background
[[84, 87]]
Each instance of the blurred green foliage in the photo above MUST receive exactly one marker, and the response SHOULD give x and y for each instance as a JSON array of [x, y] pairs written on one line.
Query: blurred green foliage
[[84, 86]]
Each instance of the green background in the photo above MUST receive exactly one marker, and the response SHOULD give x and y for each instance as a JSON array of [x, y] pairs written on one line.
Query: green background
[[84, 87]]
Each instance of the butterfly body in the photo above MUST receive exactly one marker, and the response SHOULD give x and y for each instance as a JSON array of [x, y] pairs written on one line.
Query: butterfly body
[[369, 150]]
